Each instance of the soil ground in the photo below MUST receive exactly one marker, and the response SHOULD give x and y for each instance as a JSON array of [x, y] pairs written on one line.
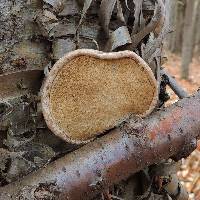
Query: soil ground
[[190, 170]]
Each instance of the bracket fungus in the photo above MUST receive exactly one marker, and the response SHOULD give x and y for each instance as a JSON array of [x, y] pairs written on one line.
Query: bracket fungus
[[88, 92]]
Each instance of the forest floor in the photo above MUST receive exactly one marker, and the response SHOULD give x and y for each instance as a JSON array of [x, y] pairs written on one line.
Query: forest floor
[[190, 170]]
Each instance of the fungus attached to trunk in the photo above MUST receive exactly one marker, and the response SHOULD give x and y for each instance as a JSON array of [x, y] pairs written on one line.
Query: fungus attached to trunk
[[88, 92]]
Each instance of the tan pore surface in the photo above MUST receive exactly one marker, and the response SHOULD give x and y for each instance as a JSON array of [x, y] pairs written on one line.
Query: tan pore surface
[[91, 95]]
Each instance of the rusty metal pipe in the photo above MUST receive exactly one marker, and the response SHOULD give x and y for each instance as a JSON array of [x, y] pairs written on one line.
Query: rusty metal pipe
[[114, 157]]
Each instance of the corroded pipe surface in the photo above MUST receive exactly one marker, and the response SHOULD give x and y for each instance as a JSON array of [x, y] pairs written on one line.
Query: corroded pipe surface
[[114, 157]]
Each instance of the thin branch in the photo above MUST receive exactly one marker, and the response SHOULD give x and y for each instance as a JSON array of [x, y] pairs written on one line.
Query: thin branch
[[178, 90]]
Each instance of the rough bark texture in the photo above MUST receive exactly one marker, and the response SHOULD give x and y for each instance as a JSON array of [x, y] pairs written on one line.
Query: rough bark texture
[[21, 47]]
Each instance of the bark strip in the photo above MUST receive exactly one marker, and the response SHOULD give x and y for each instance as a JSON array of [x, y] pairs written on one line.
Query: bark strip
[[125, 150]]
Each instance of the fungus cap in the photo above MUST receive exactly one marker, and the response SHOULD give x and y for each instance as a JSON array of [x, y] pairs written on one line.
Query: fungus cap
[[88, 92]]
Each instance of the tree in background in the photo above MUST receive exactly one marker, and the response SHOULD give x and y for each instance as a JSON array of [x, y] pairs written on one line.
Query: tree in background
[[197, 31], [177, 21], [186, 36]]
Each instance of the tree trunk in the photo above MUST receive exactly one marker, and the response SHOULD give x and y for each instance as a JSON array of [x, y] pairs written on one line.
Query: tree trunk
[[188, 37], [197, 31], [177, 21]]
